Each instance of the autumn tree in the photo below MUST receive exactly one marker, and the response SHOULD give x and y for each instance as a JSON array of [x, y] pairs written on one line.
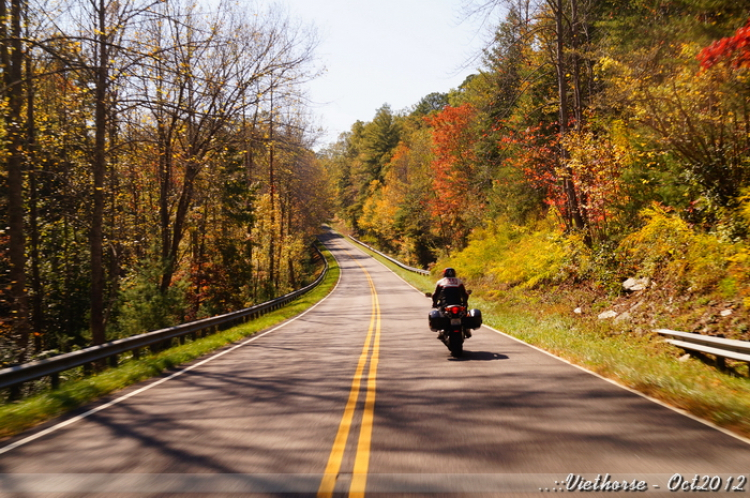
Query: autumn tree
[[12, 59], [102, 29], [349, 184], [126, 164], [684, 125], [561, 29], [457, 201], [408, 188], [733, 49], [208, 76], [363, 155]]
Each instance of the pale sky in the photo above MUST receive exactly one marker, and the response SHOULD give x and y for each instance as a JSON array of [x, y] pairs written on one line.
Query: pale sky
[[384, 51]]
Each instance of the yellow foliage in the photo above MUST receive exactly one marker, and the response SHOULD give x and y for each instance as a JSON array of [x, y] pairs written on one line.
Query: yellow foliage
[[379, 211], [536, 258], [526, 257], [671, 252]]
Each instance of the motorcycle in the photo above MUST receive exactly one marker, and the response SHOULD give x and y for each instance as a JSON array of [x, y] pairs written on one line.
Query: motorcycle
[[454, 322]]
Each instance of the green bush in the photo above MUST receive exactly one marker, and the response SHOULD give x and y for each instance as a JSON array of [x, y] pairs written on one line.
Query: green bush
[[142, 306]]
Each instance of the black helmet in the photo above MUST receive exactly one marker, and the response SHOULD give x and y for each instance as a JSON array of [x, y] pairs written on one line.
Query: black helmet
[[449, 272]]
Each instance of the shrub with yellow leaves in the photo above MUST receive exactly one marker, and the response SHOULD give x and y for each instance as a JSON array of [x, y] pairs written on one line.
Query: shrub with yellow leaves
[[669, 251]]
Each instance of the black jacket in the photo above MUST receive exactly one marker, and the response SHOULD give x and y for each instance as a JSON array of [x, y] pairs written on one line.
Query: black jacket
[[449, 290]]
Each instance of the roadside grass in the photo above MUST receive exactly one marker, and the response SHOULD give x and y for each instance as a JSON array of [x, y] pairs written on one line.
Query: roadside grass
[[642, 363], [26, 413]]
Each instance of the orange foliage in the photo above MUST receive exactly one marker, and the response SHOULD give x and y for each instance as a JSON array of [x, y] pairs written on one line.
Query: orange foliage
[[453, 169], [594, 166], [534, 151]]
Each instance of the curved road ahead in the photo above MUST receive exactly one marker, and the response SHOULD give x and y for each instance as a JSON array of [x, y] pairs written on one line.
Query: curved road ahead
[[357, 396]]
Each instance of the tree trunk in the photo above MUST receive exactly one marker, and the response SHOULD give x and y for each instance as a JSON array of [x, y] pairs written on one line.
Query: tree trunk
[[271, 184], [165, 179], [96, 237], [12, 60], [578, 104], [574, 218], [178, 228], [37, 303], [250, 245]]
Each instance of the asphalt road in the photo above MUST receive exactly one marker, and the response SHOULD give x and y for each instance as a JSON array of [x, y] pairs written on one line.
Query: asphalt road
[[357, 396]]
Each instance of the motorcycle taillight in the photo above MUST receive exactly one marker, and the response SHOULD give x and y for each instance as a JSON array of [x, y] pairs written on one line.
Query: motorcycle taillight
[[454, 310]]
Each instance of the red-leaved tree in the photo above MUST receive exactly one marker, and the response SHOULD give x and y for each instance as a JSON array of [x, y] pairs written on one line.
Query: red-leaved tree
[[457, 202], [733, 49]]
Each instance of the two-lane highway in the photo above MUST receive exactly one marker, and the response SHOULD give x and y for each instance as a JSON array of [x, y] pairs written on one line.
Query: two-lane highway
[[357, 396]]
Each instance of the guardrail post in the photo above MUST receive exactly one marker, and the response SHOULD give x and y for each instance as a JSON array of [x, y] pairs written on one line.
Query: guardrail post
[[55, 380], [113, 360], [721, 364]]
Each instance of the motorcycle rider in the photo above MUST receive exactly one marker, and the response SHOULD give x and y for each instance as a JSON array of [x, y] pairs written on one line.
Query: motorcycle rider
[[450, 290]]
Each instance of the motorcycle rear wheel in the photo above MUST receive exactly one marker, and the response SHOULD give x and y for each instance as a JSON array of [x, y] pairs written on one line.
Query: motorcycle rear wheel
[[456, 344]]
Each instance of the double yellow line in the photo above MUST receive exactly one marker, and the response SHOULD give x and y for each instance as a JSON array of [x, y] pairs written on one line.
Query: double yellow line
[[370, 351]]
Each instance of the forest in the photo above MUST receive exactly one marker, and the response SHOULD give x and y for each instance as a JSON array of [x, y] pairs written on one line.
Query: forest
[[599, 141], [158, 164], [157, 167]]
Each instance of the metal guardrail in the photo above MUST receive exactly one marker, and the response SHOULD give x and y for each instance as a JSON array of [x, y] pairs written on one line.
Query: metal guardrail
[[717, 346], [392, 260], [19, 374]]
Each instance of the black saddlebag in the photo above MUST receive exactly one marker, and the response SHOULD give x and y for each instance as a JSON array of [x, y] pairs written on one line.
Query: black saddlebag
[[438, 321], [473, 319]]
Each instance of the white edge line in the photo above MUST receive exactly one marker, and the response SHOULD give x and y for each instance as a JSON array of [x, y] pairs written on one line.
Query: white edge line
[[630, 389], [584, 369], [87, 414]]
